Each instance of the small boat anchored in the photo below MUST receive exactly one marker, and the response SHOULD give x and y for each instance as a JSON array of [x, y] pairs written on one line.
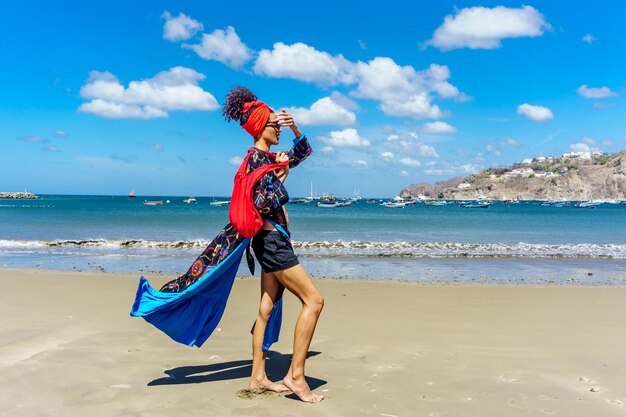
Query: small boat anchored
[[190, 200], [333, 204], [132, 194], [476, 205], [220, 203], [153, 203]]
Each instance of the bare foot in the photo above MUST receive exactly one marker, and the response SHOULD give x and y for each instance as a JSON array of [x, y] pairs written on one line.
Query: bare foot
[[266, 384], [301, 389]]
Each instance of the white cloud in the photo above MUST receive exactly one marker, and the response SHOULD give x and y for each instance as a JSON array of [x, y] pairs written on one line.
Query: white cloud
[[346, 138], [439, 171], [410, 162], [360, 164], [344, 101], [387, 156], [428, 151], [601, 92], [401, 90], [179, 28], [484, 28], [584, 145], [223, 46], [174, 89], [579, 147], [156, 147], [418, 107], [50, 149], [235, 160], [589, 38], [438, 127], [536, 113], [508, 142], [305, 63], [469, 168], [362, 45], [403, 173], [60, 133], [608, 143], [110, 110], [493, 150], [327, 150], [324, 111]]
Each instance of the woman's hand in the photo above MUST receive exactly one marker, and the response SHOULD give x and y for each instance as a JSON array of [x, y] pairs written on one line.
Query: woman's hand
[[284, 171], [286, 120]]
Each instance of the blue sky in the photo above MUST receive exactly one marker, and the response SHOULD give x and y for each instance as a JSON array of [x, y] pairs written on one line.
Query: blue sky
[[102, 99]]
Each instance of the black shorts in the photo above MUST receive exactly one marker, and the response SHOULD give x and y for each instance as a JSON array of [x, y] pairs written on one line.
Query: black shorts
[[273, 251]]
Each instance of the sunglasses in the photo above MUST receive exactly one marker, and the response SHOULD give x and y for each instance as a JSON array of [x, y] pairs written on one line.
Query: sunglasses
[[275, 125]]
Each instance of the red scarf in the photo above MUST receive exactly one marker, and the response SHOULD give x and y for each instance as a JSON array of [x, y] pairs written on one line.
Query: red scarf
[[257, 119]]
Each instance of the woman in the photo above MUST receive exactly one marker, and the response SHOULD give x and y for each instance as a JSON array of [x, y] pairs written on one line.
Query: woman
[[280, 266]]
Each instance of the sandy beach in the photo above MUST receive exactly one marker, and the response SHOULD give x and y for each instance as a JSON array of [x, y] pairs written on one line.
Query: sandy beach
[[68, 347]]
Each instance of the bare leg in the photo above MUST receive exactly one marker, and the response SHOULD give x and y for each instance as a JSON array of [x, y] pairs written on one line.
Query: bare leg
[[270, 290], [296, 280]]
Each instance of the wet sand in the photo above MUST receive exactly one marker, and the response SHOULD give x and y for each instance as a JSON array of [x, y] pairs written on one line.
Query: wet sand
[[68, 347]]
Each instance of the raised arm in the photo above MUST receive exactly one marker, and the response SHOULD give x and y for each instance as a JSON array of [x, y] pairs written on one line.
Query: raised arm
[[301, 148]]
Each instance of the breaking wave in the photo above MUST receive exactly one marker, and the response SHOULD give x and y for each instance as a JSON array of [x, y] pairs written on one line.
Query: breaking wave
[[346, 249]]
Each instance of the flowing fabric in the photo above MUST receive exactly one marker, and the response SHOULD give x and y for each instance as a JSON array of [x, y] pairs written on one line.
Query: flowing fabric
[[190, 316]]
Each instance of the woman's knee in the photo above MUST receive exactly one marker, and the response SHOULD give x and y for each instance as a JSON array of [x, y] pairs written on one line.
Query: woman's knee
[[316, 303], [265, 309]]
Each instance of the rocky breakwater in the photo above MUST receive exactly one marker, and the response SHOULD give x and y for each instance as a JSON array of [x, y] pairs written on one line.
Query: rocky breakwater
[[20, 195]]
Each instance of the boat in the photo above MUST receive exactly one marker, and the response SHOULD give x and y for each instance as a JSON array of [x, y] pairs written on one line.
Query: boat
[[190, 200], [312, 197], [356, 196], [393, 204], [300, 201], [586, 204], [131, 194], [436, 203], [220, 203], [333, 204], [476, 205], [153, 203]]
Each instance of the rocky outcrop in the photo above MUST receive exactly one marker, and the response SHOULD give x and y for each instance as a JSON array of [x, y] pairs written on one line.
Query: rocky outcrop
[[25, 196], [602, 177]]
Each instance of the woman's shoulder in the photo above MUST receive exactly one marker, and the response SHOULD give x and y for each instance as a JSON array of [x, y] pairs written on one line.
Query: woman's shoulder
[[258, 158]]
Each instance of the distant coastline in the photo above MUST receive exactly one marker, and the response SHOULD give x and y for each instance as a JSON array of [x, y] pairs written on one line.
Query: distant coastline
[[571, 177], [19, 195]]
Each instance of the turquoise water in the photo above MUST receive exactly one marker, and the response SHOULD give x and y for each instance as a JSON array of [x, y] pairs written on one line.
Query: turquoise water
[[119, 233]]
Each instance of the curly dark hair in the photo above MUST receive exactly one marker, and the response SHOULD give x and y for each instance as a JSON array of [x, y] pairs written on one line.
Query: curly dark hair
[[233, 107]]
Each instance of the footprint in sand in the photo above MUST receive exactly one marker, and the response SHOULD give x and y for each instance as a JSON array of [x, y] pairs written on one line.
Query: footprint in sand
[[429, 397], [248, 394], [617, 403]]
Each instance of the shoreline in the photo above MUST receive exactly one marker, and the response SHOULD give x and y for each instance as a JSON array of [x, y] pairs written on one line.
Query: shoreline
[[68, 347], [163, 278], [514, 271]]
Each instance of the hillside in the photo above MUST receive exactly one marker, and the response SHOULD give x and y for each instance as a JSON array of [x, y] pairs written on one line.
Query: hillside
[[597, 177]]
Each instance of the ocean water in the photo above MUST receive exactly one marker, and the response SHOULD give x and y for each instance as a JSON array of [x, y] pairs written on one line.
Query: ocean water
[[504, 243]]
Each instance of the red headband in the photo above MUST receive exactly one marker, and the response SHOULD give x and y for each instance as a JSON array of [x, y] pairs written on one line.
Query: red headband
[[257, 119]]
